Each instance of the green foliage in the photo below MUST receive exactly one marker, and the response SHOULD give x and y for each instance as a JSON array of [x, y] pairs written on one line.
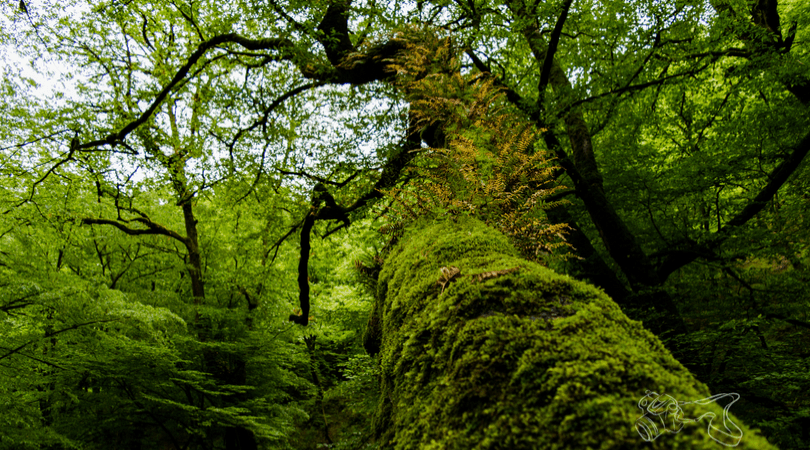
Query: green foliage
[[100, 346], [146, 279]]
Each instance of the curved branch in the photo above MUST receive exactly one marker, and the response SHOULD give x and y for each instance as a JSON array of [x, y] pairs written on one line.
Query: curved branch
[[276, 103], [153, 228], [278, 243], [637, 87], [511, 95], [263, 122], [545, 73], [67, 158], [779, 175], [333, 211], [303, 29], [303, 272], [335, 230], [250, 44], [190, 20], [392, 169]]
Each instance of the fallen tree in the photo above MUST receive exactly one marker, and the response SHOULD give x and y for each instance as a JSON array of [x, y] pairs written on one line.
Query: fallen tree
[[481, 349]]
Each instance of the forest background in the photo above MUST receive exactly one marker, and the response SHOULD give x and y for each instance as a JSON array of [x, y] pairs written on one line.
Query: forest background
[[180, 180]]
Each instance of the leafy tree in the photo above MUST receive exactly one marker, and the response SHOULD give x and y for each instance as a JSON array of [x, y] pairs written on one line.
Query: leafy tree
[[193, 140]]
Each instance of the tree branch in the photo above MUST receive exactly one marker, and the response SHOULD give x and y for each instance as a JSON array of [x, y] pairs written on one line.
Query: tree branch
[[636, 87], [53, 333], [392, 168], [250, 44], [278, 243], [779, 175], [303, 270], [335, 31], [33, 141], [153, 228], [333, 211], [67, 158], [545, 72], [798, 323], [511, 95]]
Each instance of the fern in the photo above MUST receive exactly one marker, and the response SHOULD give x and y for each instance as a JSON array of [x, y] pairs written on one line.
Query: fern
[[489, 166]]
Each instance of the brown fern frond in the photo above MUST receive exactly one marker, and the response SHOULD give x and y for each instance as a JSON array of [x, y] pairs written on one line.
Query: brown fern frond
[[490, 166]]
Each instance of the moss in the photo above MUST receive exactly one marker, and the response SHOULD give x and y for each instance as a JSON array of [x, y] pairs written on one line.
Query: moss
[[514, 359]]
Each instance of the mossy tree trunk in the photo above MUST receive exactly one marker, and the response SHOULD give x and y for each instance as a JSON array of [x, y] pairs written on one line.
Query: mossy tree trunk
[[480, 349]]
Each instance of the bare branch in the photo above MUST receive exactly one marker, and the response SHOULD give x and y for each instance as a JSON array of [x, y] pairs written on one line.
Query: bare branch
[[545, 73], [250, 44], [676, 259], [278, 243], [23, 144], [152, 228], [778, 177], [303, 271]]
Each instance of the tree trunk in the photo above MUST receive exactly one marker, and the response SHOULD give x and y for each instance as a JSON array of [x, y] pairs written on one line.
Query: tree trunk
[[194, 257], [590, 266], [481, 349], [226, 372]]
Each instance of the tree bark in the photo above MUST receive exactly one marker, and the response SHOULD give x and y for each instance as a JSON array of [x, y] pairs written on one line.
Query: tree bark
[[479, 348], [194, 258], [591, 266]]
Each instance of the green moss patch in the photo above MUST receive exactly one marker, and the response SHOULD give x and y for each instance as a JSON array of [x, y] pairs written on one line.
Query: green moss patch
[[495, 352]]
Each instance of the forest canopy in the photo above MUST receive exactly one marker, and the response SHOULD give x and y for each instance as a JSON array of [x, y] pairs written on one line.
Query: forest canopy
[[198, 198]]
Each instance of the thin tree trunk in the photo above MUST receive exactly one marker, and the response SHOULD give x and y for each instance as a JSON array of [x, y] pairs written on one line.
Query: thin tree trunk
[[194, 258]]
